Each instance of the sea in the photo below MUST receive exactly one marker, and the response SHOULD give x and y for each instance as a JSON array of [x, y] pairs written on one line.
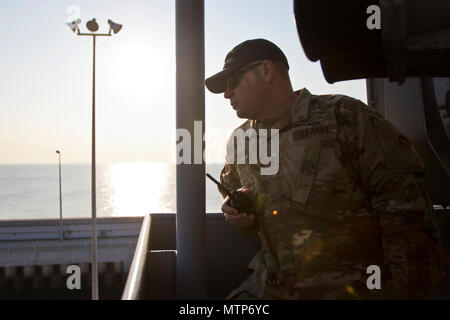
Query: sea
[[31, 191]]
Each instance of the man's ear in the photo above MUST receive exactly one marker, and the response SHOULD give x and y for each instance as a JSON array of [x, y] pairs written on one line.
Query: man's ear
[[268, 70]]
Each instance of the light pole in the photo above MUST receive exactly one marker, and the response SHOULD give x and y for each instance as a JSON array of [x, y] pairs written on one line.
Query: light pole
[[93, 27], [60, 199]]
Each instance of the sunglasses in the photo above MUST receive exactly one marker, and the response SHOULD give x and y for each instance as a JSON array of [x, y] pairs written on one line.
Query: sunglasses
[[234, 79]]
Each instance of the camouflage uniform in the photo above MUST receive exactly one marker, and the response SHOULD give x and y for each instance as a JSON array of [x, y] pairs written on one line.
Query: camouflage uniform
[[348, 195]]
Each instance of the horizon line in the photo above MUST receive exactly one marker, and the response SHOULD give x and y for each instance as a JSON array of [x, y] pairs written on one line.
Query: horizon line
[[98, 163]]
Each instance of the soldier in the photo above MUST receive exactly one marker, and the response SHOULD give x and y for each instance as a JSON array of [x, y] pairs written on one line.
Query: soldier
[[348, 196]]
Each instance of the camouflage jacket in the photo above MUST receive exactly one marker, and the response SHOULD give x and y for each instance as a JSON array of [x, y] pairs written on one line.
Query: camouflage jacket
[[348, 195]]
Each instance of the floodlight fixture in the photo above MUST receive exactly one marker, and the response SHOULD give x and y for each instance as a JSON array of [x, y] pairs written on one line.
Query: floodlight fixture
[[92, 25], [116, 27], [74, 25]]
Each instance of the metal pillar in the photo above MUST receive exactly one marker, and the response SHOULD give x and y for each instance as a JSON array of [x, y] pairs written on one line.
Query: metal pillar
[[190, 106]]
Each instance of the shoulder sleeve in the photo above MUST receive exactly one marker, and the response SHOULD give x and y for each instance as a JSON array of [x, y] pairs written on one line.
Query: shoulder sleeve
[[386, 166], [371, 146]]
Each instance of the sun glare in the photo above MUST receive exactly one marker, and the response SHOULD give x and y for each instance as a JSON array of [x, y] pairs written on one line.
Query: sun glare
[[141, 70], [138, 188]]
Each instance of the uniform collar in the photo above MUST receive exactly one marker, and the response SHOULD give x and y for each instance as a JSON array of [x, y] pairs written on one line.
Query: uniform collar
[[298, 112], [300, 109]]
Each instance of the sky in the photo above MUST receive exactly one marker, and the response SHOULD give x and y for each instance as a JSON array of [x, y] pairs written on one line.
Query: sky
[[46, 76]]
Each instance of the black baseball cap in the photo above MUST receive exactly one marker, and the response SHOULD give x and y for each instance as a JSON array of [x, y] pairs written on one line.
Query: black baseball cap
[[240, 56]]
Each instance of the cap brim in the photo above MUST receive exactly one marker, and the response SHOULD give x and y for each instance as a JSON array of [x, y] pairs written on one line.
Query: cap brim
[[218, 82]]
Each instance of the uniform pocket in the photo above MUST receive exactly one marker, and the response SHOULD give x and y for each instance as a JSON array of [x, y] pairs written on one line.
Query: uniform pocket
[[308, 164]]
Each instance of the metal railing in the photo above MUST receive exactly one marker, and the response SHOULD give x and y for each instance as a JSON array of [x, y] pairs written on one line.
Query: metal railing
[[135, 285]]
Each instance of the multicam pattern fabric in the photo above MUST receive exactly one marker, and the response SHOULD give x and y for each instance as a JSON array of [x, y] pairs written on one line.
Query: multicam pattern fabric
[[348, 194]]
